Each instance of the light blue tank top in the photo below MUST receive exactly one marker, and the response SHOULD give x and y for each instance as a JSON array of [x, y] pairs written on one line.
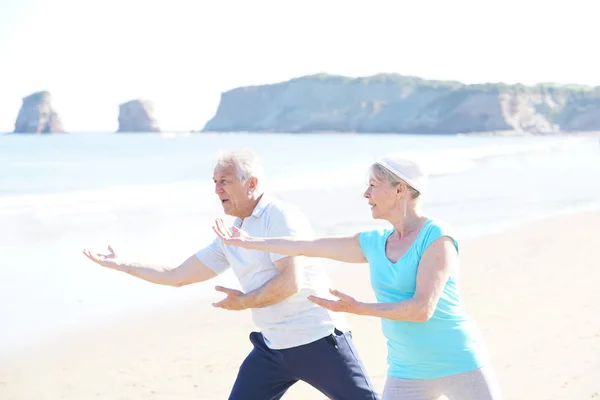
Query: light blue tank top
[[449, 343]]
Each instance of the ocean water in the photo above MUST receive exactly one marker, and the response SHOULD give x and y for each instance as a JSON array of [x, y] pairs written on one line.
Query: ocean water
[[151, 197]]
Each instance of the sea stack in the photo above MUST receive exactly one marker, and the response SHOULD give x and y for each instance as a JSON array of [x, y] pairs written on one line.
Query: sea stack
[[137, 116], [38, 116]]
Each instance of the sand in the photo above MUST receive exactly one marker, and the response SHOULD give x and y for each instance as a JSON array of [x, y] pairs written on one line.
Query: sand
[[534, 291]]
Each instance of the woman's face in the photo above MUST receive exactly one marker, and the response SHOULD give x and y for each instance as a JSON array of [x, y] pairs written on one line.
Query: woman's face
[[382, 198]]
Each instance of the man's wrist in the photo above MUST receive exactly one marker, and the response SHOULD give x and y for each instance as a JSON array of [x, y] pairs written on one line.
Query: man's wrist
[[246, 300]]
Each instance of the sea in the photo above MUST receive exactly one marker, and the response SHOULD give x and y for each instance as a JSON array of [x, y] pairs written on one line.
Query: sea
[[151, 197]]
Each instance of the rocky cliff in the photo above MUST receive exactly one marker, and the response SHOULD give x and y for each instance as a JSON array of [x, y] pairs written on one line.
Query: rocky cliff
[[390, 103], [137, 116], [38, 116]]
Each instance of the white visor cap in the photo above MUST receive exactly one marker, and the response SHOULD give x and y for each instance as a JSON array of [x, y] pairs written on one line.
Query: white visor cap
[[406, 169]]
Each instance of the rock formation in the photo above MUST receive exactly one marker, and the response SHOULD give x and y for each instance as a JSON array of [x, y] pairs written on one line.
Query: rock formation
[[137, 116], [400, 104], [37, 115]]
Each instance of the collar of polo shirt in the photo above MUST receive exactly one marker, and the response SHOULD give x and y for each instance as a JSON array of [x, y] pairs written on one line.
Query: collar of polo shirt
[[261, 205]]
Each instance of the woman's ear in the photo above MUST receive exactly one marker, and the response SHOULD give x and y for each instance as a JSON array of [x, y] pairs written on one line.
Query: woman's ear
[[400, 189]]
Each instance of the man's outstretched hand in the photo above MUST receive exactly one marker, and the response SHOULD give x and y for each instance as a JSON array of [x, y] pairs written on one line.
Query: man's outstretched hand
[[108, 260], [233, 301]]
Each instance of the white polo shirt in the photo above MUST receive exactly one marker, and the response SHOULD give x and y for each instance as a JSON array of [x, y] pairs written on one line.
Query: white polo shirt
[[294, 321]]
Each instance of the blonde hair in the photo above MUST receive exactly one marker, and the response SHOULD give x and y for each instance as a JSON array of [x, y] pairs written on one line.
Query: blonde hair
[[379, 173]]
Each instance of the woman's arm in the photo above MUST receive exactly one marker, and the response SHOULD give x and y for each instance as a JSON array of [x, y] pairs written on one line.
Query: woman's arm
[[434, 269], [344, 248]]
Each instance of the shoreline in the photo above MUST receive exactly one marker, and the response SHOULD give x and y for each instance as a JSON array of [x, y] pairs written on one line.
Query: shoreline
[[542, 343]]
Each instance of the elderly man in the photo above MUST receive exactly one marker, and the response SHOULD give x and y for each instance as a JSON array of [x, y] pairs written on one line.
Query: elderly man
[[298, 340]]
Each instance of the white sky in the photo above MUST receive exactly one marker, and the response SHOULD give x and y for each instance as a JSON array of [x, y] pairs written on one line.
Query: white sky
[[182, 54]]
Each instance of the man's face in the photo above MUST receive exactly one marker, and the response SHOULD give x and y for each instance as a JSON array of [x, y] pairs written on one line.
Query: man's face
[[235, 196]]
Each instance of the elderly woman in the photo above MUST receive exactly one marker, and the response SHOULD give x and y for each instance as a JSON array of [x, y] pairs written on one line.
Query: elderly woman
[[434, 348]]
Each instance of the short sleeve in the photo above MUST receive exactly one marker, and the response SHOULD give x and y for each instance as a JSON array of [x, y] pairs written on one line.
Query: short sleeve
[[285, 222], [214, 257], [368, 241], [436, 230]]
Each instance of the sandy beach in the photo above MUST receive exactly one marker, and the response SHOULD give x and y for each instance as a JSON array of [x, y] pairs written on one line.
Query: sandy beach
[[533, 291]]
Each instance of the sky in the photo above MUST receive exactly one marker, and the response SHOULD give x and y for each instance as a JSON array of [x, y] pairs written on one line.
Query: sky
[[182, 54]]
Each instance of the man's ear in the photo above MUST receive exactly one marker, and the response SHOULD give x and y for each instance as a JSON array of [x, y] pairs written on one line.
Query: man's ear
[[253, 182]]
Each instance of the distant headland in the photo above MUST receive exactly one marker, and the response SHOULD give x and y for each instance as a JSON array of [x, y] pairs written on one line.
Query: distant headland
[[390, 103], [384, 103]]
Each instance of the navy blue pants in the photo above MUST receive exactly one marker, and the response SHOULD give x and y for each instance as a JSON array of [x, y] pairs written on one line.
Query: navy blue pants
[[331, 365]]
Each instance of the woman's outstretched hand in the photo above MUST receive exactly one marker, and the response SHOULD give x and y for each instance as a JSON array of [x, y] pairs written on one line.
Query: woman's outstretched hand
[[235, 237], [345, 303], [108, 260]]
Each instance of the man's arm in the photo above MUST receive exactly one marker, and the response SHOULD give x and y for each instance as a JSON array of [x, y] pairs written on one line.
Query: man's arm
[[190, 271], [278, 288], [285, 283], [282, 222]]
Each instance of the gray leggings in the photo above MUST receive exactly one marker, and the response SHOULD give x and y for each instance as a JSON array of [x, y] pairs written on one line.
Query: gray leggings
[[479, 384]]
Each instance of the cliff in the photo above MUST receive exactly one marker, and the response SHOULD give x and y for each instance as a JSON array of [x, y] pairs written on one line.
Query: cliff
[[389, 103], [137, 116], [38, 116]]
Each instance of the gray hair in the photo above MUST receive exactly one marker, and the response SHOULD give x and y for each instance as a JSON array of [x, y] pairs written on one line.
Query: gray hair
[[246, 162], [381, 174]]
